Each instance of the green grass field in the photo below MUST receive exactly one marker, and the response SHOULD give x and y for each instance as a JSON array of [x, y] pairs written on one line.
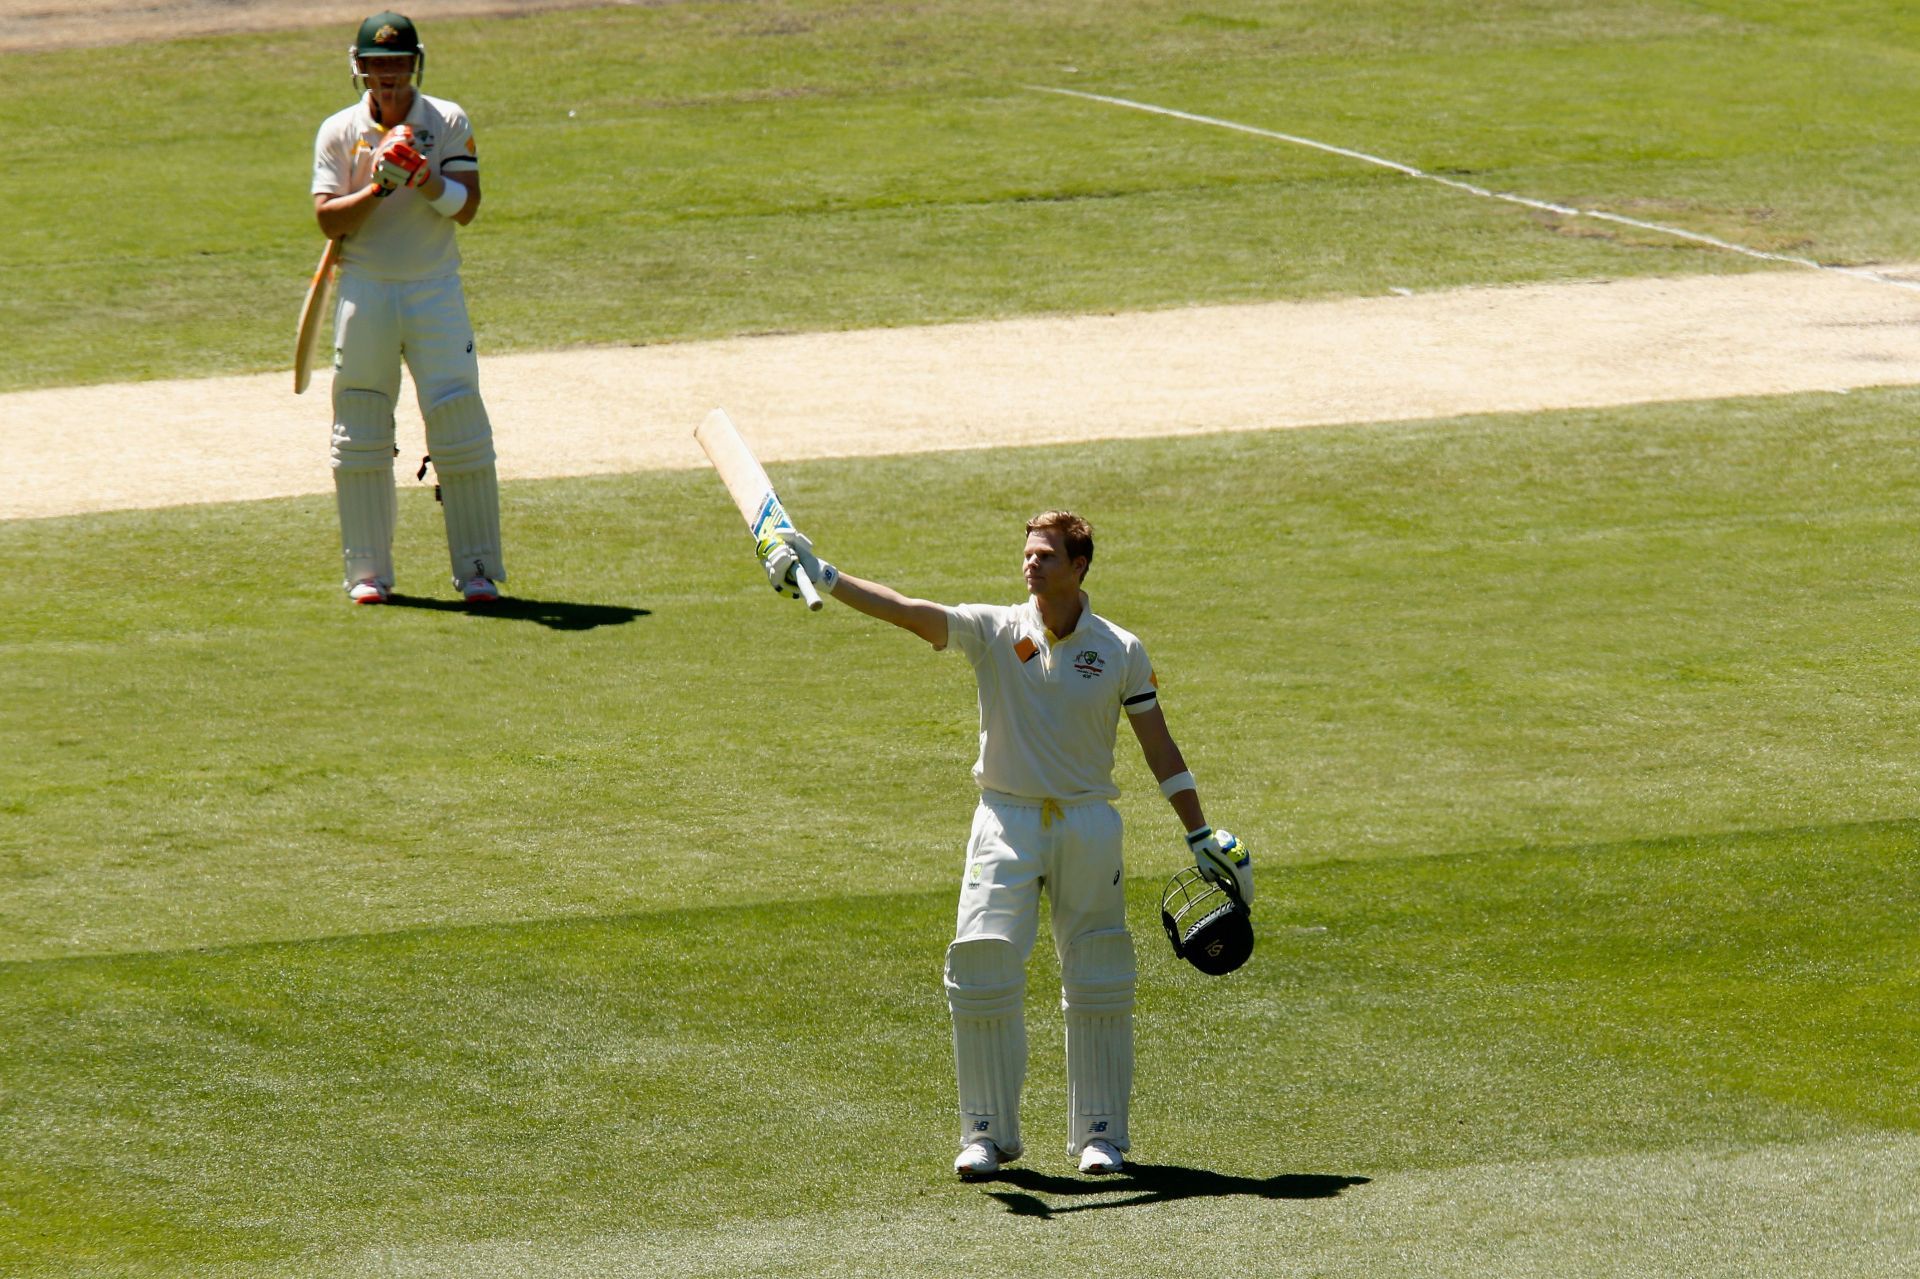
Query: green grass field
[[601, 935], [604, 936], [779, 165]]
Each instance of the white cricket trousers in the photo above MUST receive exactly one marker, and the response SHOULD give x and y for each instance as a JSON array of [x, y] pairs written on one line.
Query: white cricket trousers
[[1018, 845], [425, 321], [1072, 850], [378, 324]]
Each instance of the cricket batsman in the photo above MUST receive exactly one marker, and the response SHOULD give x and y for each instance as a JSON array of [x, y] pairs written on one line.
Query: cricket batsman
[[1054, 678], [393, 175]]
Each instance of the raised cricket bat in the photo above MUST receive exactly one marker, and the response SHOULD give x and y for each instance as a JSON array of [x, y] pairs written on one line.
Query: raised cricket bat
[[752, 491], [314, 316]]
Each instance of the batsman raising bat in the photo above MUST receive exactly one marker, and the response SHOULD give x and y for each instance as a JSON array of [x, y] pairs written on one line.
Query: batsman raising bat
[[1053, 679], [393, 175]]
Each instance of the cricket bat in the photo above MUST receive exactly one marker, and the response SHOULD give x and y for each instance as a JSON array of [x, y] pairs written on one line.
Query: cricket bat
[[747, 483], [314, 317]]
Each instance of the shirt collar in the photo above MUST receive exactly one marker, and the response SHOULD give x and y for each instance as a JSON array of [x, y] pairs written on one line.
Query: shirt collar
[[1039, 625], [413, 111]]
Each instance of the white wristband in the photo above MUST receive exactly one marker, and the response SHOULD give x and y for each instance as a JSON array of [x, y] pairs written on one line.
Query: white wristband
[[451, 200], [1177, 783]]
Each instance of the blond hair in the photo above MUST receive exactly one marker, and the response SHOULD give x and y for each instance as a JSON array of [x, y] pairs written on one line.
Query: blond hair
[[1074, 531]]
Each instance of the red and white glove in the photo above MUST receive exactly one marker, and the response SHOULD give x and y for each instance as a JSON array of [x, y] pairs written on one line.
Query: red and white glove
[[396, 162]]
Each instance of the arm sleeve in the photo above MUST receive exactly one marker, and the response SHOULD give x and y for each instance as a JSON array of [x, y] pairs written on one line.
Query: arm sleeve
[[458, 154], [332, 163], [968, 628], [1142, 687]]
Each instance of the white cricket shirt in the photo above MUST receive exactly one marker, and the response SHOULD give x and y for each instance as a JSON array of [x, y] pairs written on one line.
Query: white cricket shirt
[[1049, 706], [404, 238]]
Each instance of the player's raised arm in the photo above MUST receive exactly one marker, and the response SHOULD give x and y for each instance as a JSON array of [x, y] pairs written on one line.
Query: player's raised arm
[[923, 617], [790, 549]]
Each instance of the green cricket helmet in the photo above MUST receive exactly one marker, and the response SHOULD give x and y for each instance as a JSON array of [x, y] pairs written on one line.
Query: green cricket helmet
[[387, 35]]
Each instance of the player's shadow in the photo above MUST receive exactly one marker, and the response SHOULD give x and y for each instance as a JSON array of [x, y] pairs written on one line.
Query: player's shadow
[[1155, 1184], [553, 614]]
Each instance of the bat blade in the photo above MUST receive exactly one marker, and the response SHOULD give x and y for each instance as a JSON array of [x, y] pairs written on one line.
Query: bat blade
[[306, 340], [751, 490]]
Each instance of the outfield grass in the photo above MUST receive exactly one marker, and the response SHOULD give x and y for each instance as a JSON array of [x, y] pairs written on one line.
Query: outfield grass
[[1477, 1056], [1577, 752], [1490, 632], [660, 173]]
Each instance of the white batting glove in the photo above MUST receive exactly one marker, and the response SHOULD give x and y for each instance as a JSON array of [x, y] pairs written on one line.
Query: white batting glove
[[784, 549], [1223, 859], [824, 575]]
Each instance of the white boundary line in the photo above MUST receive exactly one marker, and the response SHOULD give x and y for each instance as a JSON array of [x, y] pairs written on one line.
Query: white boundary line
[[1544, 205]]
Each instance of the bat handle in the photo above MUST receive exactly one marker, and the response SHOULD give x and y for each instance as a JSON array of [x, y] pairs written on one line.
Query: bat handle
[[807, 592]]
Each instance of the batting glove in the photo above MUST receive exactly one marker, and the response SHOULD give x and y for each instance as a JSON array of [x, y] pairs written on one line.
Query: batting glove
[[783, 549], [398, 165], [1223, 859]]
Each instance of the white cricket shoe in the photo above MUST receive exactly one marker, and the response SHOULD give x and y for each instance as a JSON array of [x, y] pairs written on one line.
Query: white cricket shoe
[[980, 1159], [1097, 1158], [368, 592], [478, 590]]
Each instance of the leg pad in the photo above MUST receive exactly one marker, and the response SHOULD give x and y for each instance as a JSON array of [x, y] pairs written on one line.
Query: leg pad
[[363, 484], [1097, 979], [460, 438], [986, 988]]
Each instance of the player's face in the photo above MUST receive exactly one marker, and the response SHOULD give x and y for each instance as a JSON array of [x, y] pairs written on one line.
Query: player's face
[[1045, 565], [390, 79]]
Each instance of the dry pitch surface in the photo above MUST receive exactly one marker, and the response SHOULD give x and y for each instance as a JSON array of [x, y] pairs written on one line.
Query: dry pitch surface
[[1016, 382]]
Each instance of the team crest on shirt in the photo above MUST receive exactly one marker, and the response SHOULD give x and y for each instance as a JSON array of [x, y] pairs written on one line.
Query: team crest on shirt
[[1089, 663]]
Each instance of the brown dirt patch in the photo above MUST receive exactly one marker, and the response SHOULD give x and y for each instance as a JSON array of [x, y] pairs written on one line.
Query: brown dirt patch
[[1011, 383]]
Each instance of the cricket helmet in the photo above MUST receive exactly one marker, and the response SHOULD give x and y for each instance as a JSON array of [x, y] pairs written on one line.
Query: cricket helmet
[[1207, 922], [387, 35]]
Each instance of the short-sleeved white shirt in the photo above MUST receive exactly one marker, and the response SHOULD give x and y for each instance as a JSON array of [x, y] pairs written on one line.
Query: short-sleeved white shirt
[[1050, 705], [404, 238]]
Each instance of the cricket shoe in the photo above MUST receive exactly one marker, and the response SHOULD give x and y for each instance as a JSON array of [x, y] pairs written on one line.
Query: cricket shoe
[[478, 590], [1098, 1158], [980, 1158], [368, 593]]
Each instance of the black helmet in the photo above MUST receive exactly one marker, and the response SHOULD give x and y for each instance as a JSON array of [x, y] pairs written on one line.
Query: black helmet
[[1207, 922]]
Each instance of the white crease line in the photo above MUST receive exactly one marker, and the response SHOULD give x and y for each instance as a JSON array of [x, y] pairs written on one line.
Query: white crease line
[[1407, 169]]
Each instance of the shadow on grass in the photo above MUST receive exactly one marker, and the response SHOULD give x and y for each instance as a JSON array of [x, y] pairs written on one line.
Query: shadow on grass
[[553, 614], [1156, 1184]]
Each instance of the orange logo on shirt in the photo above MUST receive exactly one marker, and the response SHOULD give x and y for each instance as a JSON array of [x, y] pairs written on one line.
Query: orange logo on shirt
[[1025, 648]]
